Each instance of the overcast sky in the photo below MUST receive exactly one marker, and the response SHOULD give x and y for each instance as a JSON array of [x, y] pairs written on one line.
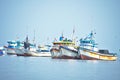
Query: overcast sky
[[50, 18]]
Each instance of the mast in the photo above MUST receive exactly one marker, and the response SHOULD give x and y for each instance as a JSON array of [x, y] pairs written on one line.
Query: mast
[[26, 39], [34, 38], [73, 38]]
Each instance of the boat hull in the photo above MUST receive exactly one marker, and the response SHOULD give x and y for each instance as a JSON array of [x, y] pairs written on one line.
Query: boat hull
[[30, 54], [44, 54], [11, 51], [68, 53], [64, 53], [89, 55], [35, 54]]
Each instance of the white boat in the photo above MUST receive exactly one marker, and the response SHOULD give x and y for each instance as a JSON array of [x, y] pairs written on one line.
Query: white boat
[[64, 49], [13, 47], [10, 49], [30, 50], [33, 53], [44, 50]]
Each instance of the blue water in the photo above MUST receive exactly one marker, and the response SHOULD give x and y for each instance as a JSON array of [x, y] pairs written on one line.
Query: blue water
[[45, 68]]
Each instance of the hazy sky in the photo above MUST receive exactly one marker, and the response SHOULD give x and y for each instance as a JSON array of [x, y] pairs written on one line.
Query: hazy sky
[[49, 18]]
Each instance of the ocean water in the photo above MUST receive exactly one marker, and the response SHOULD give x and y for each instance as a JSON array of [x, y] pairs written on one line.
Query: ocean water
[[45, 68]]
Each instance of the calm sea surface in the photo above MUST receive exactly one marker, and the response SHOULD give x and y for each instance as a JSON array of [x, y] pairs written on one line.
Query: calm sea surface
[[45, 68]]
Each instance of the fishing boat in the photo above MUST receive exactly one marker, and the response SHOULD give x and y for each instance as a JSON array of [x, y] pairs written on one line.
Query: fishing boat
[[10, 49], [14, 47], [64, 49], [44, 51], [88, 50], [32, 53], [28, 50]]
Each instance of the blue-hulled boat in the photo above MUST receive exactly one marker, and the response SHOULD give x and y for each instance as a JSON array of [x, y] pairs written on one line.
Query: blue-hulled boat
[[2, 51]]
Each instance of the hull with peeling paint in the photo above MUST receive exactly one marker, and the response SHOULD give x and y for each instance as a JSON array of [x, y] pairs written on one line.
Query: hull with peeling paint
[[93, 55]]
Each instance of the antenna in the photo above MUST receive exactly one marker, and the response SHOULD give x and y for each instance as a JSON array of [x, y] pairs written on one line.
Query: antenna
[[17, 38], [47, 40], [73, 33], [94, 31], [62, 34], [34, 37], [27, 30]]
